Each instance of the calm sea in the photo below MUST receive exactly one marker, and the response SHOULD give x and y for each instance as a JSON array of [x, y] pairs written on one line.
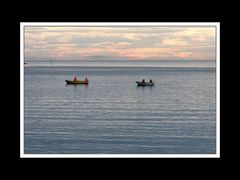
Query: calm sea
[[112, 115]]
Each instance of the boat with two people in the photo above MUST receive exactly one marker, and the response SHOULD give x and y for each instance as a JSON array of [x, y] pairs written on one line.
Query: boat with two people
[[76, 81], [144, 83]]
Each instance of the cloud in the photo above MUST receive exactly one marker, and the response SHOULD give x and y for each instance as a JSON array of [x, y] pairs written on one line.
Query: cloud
[[174, 42], [126, 42], [123, 43], [184, 54]]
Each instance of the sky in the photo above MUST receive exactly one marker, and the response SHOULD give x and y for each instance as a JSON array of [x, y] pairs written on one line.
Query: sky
[[119, 43]]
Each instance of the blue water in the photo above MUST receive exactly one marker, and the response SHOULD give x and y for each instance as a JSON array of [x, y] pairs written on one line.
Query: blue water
[[112, 115], [135, 63]]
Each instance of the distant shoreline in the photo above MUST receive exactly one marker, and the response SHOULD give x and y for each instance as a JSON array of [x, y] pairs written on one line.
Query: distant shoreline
[[125, 67]]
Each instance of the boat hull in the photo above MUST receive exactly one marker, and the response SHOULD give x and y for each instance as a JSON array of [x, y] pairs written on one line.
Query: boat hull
[[76, 82], [145, 84]]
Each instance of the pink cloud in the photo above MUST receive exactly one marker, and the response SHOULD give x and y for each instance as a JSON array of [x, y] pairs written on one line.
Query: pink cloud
[[184, 54]]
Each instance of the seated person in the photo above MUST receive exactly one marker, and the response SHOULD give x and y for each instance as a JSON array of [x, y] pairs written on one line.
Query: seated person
[[75, 78], [86, 79], [143, 81]]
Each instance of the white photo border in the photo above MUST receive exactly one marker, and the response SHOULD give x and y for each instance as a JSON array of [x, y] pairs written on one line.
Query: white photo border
[[101, 24]]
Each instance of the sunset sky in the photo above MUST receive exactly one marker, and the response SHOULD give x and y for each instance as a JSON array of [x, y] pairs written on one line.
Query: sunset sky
[[119, 43]]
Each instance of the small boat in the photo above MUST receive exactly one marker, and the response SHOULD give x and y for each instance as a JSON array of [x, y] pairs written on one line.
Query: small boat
[[76, 82], [139, 83]]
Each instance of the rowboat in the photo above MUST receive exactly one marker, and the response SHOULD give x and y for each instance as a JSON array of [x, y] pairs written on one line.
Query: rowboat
[[139, 83], [76, 82]]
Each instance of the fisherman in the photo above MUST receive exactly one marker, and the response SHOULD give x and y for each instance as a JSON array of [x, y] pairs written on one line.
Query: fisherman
[[143, 81], [86, 79], [75, 78], [150, 81]]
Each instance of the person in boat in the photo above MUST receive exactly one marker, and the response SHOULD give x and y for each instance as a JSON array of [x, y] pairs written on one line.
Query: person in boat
[[150, 81], [143, 81], [75, 78], [86, 79]]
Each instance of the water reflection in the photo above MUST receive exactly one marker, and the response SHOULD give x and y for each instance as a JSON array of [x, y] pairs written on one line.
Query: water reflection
[[143, 87], [75, 86]]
